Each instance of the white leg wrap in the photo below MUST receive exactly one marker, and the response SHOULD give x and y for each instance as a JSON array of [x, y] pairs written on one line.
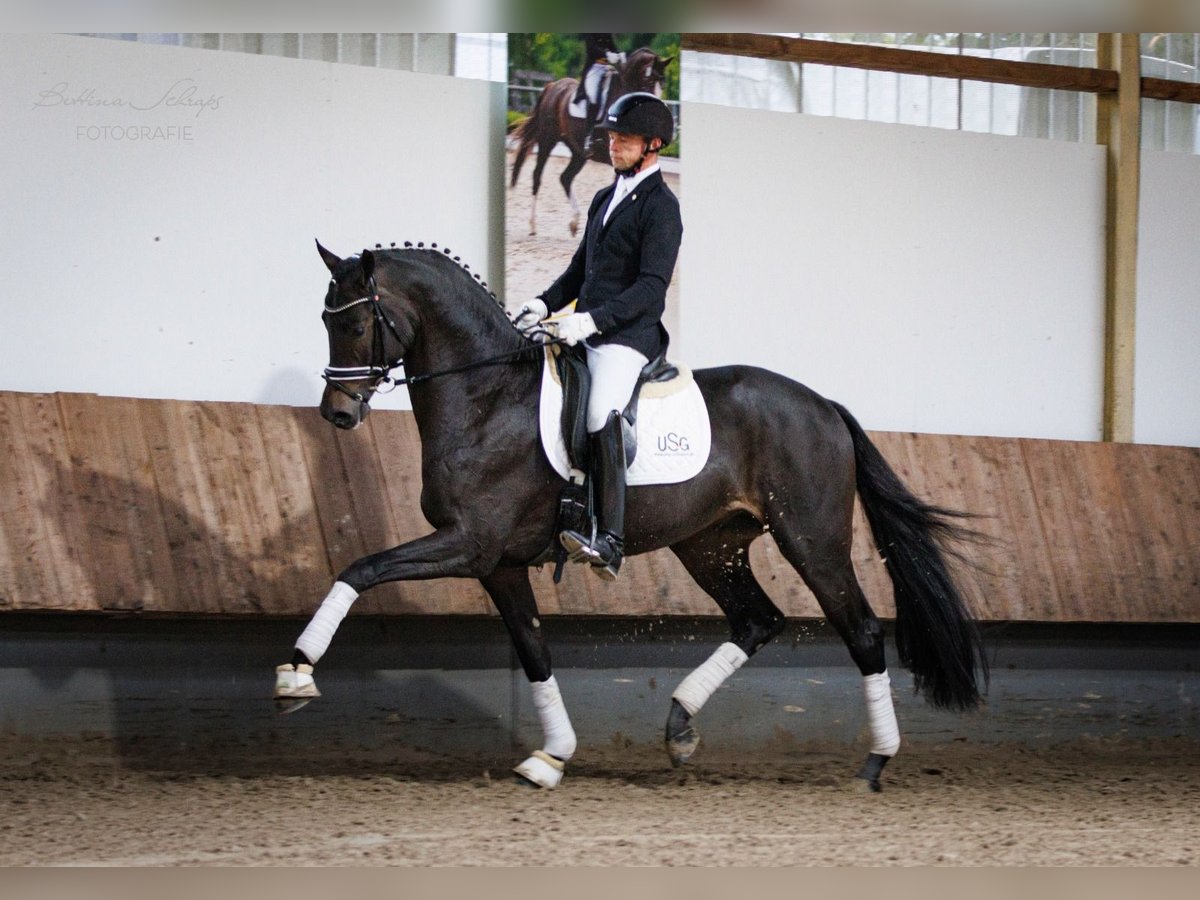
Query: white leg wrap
[[693, 692], [316, 637], [881, 715], [556, 726]]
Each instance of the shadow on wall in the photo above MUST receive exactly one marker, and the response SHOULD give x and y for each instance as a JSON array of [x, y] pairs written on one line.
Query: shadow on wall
[[183, 540], [291, 386], [145, 552], [215, 509]]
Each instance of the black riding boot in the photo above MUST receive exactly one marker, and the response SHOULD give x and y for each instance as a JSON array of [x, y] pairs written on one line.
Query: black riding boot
[[593, 111], [606, 547]]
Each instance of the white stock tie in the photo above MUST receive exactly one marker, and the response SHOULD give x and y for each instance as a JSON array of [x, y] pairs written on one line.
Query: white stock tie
[[618, 195]]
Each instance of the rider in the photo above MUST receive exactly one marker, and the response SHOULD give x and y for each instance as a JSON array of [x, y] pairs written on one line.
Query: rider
[[619, 275], [599, 56]]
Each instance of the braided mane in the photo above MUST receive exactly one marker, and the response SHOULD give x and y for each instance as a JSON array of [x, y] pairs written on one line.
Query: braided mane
[[419, 247]]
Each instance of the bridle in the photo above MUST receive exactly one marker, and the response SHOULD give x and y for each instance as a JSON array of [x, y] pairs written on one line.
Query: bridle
[[379, 372]]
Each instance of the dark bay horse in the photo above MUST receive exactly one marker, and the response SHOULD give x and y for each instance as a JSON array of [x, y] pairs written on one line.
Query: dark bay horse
[[784, 460], [551, 121]]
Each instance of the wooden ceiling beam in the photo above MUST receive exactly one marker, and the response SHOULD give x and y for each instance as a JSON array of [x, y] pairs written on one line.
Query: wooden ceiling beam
[[905, 62]]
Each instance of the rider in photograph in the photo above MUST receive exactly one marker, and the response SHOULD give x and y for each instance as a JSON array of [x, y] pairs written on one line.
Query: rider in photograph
[[619, 276], [599, 56]]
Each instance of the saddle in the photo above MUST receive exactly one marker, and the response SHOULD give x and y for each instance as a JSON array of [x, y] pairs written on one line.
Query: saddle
[[571, 364], [580, 101], [575, 500]]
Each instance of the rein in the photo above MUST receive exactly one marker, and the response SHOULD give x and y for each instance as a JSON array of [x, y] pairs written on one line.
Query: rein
[[381, 370]]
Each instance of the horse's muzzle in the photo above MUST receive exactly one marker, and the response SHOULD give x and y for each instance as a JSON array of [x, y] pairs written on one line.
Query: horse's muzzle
[[343, 411]]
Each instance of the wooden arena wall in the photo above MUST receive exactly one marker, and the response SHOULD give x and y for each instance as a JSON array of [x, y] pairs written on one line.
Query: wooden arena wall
[[174, 507]]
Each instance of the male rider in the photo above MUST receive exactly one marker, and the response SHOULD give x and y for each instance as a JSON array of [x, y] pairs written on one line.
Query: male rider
[[619, 276], [599, 56]]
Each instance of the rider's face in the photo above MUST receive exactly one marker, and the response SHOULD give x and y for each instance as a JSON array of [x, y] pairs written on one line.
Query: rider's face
[[624, 149]]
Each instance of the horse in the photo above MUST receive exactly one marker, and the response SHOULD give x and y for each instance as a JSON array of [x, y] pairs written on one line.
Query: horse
[[784, 460], [551, 122]]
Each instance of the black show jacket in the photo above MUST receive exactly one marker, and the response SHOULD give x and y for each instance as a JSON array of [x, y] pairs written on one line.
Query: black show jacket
[[621, 269]]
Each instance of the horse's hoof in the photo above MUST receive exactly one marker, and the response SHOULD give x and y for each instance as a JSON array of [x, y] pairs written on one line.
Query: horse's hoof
[[541, 770], [574, 226], [865, 785], [871, 771], [682, 736], [294, 688], [681, 747]]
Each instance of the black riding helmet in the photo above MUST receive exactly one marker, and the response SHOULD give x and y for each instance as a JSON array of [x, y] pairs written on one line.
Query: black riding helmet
[[642, 114]]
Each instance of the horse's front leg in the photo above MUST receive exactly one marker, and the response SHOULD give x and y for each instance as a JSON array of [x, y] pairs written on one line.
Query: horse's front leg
[[447, 553], [513, 595]]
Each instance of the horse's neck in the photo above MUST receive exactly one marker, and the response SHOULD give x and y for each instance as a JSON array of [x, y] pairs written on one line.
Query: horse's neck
[[460, 336], [462, 326], [465, 408]]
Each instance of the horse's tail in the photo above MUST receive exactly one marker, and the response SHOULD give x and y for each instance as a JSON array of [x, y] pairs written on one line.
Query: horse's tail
[[525, 134], [936, 636]]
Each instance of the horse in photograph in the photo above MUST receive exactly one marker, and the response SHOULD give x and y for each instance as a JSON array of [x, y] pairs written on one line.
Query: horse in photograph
[[783, 460], [551, 121]]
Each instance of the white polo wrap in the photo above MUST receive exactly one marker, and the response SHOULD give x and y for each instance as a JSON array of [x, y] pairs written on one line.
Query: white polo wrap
[[881, 715], [693, 692], [552, 712], [316, 637]]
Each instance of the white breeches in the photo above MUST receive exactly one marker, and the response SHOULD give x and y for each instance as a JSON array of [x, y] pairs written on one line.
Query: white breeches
[[594, 82], [614, 369]]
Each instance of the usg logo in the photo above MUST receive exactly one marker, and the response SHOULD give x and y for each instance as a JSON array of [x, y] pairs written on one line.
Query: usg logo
[[673, 443]]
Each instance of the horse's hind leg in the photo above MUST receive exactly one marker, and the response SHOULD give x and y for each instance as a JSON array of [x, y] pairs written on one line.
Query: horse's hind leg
[[513, 596], [566, 178], [822, 556], [543, 154], [527, 141], [719, 560]]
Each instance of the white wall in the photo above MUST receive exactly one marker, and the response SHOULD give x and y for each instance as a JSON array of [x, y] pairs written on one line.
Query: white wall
[[1167, 352], [182, 264], [932, 281]]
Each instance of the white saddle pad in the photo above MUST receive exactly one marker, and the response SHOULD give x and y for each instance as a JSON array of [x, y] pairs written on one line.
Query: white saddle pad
[[577, 109], [673, 432]]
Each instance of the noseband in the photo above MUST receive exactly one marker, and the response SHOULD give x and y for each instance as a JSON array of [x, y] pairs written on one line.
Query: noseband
[[380, 370]]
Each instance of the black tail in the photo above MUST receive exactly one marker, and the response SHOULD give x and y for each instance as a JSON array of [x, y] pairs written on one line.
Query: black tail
[[935, 633], [525, 133]]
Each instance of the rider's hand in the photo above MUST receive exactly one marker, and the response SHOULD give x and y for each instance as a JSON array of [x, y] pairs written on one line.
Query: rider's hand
[[616, 58], [529, 315], [574, 328]]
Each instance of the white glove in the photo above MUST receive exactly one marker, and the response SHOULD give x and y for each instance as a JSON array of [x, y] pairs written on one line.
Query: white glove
[[617, 59], [575, 327], [529, 315]]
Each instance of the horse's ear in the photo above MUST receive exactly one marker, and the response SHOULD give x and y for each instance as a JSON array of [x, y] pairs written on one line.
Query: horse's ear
[[663, 62], [368, 264], [332, 261]]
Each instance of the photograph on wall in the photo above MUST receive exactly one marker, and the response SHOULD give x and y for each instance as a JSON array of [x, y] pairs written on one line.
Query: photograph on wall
[[560, 86]]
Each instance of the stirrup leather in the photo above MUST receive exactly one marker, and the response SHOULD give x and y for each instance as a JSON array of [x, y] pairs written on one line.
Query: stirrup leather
[[604, 547]]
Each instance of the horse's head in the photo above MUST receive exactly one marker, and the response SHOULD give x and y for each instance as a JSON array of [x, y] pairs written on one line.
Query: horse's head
[[367, 339], [645, 71]]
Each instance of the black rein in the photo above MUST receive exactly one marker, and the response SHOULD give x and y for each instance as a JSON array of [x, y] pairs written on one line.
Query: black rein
[[384, 368]]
